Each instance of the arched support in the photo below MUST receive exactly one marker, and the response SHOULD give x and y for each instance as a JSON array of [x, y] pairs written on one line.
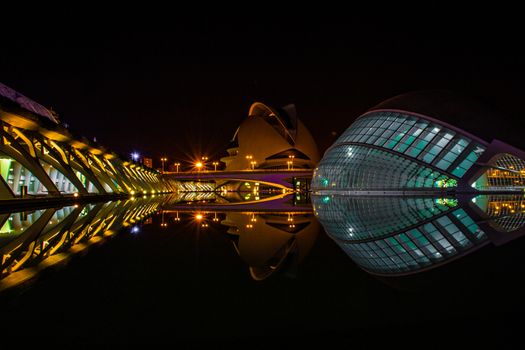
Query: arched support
[[14, 150]]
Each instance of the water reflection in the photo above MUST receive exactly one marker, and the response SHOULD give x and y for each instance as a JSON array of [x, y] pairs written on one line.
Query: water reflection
[[271, 241], [403, 235], [35, 239], [228, 197], [272, 236], [387, 236]]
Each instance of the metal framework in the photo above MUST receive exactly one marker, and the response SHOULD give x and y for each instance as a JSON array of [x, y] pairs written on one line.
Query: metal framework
[[41, 160]]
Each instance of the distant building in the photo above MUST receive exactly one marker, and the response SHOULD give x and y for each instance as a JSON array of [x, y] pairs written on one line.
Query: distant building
[[271, 138], [147, 162]]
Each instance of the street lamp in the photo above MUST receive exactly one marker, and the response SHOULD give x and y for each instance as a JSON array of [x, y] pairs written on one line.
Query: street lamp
[[215, 165], [253, 162], [198, 165], [163, 160], [135, 156], [204, 159], [177, 167]]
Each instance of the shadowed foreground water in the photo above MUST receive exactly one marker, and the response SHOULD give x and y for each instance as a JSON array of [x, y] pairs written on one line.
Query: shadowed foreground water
[[177, 278]]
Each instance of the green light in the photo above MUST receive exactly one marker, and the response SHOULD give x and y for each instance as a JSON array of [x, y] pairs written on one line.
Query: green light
[[449, 202], [5, 167], [326, 199], [445, 183]]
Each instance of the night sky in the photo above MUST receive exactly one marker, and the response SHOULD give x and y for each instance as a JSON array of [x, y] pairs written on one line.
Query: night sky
[[178, 85]]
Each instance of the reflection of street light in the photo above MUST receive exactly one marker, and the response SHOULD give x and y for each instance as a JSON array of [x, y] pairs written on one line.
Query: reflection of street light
[[177, 167], [163, 160], [215, 165], [249, 157], [289, 164], [291, 160], [162, 222]]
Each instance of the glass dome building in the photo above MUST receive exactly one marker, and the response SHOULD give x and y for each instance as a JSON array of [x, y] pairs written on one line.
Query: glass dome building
[[407, 143]]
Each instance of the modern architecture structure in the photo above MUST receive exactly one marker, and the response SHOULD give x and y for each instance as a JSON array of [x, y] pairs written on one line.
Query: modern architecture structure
[[41, 158], [412, 142], [271, 138]]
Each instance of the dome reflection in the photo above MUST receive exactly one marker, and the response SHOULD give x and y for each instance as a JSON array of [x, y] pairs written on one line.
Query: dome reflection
[[404, 235], [269, 242]]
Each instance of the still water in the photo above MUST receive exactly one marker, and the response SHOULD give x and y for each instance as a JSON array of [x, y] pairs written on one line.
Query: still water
[[276, 270]]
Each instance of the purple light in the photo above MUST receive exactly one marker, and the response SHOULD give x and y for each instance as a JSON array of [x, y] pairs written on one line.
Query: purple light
[[135, 156], [135, 229]]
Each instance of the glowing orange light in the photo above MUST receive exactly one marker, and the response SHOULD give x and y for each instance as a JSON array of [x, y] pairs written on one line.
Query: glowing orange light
[[198, 217]]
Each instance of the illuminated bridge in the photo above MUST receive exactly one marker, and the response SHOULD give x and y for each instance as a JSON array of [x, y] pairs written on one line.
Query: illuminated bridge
[[40, 159], [282, 178]]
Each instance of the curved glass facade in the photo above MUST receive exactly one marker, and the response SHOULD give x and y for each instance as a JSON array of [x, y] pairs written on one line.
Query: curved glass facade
[[398, 235], [396, 150], [359, 167]]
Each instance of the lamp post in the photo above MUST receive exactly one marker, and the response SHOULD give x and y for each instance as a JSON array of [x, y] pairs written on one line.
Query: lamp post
[[215, 166], [135, 156], [198, 165], [177, 167], [204, 159], [253, 162], [163, 159]]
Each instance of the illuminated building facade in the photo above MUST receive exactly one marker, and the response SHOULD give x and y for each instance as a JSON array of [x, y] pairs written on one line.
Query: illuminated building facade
[[148, 162], [271, 138], [404, 144], [39, 157]]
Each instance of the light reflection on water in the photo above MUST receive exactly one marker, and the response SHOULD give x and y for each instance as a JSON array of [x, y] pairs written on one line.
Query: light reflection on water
[[403, 235], [383, 235]]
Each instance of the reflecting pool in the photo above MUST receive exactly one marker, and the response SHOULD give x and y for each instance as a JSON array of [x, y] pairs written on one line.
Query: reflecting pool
[[283, 268]]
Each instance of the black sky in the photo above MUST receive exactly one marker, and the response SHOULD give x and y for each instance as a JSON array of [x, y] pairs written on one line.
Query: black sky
[[176, 84]]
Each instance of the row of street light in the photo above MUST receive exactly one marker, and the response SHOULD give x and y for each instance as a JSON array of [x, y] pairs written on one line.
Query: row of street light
[[199, 164], [202, 163]]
